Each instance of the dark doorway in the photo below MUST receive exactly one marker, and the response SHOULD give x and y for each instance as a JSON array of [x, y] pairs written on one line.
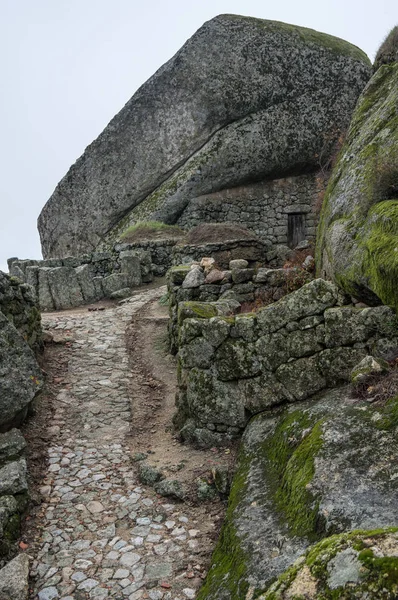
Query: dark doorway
[[295, 229]]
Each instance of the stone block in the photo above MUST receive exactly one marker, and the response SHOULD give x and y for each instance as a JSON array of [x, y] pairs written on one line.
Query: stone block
[[131, 265], [302, 377], [237, 359], [85, 278], [13, 478], [64, 287], [113, 283], [45, 298]]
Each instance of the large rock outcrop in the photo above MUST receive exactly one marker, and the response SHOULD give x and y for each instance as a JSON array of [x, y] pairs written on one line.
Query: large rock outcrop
[[18, 304], [243, 100], [316, 469], [20, 376], [357, 237]]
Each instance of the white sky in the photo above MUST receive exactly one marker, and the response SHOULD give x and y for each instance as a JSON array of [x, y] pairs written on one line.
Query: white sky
[[68, 66]]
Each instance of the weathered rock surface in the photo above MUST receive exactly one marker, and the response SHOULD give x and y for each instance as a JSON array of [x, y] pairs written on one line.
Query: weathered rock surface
[[242, 100], [357, 238], [360, 564], [18, 304], [13, 490], [20, 375], [14, 583], [313, 470]]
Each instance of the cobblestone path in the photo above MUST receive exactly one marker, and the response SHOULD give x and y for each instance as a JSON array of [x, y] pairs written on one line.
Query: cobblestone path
[[104, 536]]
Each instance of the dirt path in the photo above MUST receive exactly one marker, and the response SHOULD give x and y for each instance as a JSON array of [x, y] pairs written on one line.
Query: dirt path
[[97, 532]]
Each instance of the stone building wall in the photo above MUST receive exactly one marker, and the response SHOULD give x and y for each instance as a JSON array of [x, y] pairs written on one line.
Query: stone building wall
[[263, 208], [233, 367]]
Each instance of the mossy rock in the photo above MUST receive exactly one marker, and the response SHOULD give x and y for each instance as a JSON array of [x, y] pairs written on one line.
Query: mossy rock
[[357, 235], [304, 473], [352, 566]]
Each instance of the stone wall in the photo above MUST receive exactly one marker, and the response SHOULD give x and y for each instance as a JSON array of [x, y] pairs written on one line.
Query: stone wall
[[263, 208], [20, 382], [233, 367], [193, 286], [223, 252], [13, 489], [160, 251], [73, 281], [17, 303]]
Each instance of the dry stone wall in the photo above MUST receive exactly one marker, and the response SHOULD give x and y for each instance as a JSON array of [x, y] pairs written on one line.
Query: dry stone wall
[[233, 367], [73, 281], [206, 294], [17, 303], [20, 382], [263, 208], [13, 488]]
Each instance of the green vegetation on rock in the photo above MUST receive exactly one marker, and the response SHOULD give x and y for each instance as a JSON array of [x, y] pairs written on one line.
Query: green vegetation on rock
[[357, 234], [309, 36], [150, 230], [352, 565], [388, 51], [291, 467], [380, 242], [229, 561]]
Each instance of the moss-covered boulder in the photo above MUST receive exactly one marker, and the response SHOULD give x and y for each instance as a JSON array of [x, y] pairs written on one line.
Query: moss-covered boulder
[[357, 243], [362, 564], [304, 473]]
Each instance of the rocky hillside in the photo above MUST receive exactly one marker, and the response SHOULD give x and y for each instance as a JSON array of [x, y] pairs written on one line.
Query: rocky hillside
[[244, 100]]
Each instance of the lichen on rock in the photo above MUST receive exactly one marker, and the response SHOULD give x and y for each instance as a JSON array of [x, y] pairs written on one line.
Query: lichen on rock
[[357, 235]]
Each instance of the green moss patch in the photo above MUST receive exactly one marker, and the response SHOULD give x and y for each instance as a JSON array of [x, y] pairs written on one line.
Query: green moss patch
[[309, 36], [377, 576], [380, 241], [291, 452], [229, 562], [150, 230], [201, 310]]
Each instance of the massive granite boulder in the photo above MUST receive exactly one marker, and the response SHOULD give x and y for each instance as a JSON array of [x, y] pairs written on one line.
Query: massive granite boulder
[[243, 100], [20, 376], [357, 237], [315, 469]]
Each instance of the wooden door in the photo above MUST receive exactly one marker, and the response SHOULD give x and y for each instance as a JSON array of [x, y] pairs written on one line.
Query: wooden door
[[295, 229]]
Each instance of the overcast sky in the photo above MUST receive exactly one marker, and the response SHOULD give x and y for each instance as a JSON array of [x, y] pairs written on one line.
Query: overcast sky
[[68, 66]]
